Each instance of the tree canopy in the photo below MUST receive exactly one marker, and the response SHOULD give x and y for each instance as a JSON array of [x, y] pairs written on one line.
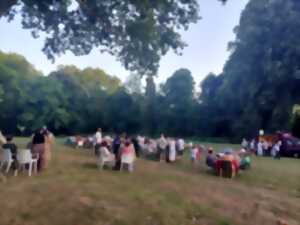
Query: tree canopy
[[258, 88], [259, 84], [138, 33]]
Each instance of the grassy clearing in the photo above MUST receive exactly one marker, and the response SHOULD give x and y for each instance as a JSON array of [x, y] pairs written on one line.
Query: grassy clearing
[[74, 192]]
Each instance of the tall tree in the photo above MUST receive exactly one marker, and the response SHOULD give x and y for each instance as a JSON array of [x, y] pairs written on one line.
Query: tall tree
[[261, 78], [179, 94]]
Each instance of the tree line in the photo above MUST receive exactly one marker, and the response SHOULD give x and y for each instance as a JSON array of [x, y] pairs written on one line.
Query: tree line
[[258, 89], [70, 101]]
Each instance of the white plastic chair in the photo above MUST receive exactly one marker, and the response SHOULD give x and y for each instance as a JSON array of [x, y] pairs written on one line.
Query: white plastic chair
[[25, 157], [126, 159], [6, 158], [105, 158]]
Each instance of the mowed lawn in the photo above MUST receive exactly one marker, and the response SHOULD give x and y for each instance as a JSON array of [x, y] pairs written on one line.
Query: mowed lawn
[[74, 192]]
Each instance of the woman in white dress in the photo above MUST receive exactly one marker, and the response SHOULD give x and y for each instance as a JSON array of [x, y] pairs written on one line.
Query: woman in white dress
[[260, 149], [172, 150]]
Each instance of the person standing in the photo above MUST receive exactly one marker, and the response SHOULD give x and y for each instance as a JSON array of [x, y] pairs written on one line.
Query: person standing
[[172, 150], [180, 146], [244, 143], [194, 154], [210, 158], [97, 141], [116, 146], [136, 146], [162, 145], [276, 150], [98, 136], [260, 149], [128, 152], [265, 146], [38, 148], [252, 146], [49, 141]]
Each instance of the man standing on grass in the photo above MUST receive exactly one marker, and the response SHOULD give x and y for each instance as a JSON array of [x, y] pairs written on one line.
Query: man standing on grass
[[97, 141], [180, 146], [162, 145]]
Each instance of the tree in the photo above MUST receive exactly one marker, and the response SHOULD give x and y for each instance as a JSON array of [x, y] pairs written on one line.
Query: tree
[[138, 33], [15, 75], [179, 97], [123, 115], [133, 84], [260, 80]]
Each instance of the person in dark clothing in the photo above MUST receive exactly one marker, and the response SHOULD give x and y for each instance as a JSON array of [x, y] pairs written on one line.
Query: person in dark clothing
[[116, 150], [210, 159], [167, 157], [136, 146], [38, 138], [38, 148], [13, 149]]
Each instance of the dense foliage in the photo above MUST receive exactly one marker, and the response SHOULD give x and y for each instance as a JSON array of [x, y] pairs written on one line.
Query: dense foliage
[[258, 88], [138, 33], [260, 82], [70, 100]]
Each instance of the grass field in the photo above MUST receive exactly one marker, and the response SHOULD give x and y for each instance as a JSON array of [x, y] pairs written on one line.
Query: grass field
[[74, 192]]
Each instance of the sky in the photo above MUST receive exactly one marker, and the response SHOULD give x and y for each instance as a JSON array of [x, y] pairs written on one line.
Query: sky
[[206, 51]]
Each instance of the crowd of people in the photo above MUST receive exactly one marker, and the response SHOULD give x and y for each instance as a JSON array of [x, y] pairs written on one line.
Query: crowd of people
[[163, 149], [263, 147], [124, 146], [122, 150], [40, 146]]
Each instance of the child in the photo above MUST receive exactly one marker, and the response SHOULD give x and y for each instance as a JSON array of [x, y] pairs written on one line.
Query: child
[[194, 154]]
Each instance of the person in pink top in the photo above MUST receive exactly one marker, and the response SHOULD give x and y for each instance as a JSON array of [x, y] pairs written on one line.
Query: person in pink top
[[128, 155]]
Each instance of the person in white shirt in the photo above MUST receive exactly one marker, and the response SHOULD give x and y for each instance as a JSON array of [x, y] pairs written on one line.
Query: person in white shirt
[[98, 137], [194, 152], [252, 145], [172, 150], [260, 149], [276, 150], [244, 144], [105, 155], [97, 141], [180, 146], [162, 145]]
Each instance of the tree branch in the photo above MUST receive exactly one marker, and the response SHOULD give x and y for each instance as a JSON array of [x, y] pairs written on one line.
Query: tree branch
[[6, 5]]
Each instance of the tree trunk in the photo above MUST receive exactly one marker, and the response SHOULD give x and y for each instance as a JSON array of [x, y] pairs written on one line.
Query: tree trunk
[[5, 6], [150, 105]]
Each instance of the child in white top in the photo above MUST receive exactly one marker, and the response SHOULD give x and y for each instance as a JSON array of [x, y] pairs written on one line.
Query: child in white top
[[194, 152]]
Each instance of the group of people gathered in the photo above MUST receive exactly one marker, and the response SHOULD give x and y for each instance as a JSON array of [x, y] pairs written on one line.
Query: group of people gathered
[[40, 146], [240, 160], [263, 147], [121, 146], [165, 149]]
